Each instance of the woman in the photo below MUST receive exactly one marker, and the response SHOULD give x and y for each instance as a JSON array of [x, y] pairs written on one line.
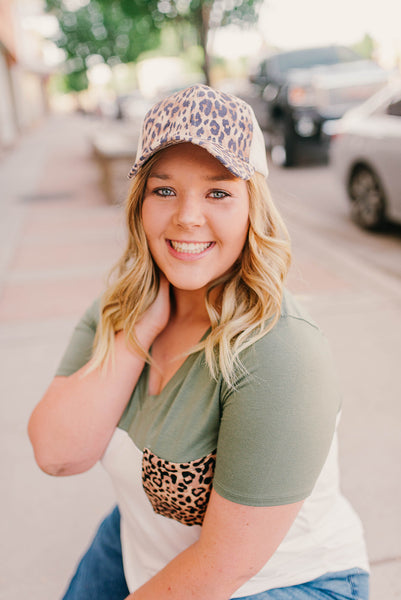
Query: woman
[[209, 395]]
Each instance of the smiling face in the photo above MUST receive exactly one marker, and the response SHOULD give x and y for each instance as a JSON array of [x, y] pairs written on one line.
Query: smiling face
[[195, 216]]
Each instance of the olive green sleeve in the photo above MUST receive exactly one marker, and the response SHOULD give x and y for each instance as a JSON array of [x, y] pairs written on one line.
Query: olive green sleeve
[[277, 426], [79, 349]]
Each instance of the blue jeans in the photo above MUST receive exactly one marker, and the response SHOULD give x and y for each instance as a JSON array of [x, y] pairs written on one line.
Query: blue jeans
[[100, 575], [352, 584]]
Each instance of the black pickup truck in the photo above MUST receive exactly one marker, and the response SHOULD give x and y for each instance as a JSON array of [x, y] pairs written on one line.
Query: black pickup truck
[[304, 91]]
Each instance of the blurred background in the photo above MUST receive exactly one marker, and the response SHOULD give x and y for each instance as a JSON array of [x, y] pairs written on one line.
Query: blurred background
[[76, 78]]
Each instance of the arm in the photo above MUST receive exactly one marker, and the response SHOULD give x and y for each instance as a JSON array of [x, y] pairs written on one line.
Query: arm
[[72, 425], [235, 542]]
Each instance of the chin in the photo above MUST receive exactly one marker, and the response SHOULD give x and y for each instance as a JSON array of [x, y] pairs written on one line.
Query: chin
[[194, 285], [189, 288]]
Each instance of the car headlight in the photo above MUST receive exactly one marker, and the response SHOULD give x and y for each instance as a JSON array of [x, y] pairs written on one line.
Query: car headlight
[[301, 96]]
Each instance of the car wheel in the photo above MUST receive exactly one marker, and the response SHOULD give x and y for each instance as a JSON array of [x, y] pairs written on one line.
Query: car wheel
[[283, 148], [367, 199]]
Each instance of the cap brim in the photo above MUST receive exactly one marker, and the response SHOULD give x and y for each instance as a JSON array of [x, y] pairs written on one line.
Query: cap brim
[[236, 166]]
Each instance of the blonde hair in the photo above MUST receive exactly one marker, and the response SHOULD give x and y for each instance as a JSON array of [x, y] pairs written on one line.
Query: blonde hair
[[248, 297]]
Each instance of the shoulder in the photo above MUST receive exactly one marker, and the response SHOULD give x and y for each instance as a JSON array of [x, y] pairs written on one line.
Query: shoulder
[[293, 358], [80, 346], [91, 316], [295, 336], [292, 308], [294, 321]]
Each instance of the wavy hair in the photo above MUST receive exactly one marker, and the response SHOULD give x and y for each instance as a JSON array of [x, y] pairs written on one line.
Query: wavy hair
[[248, 299]]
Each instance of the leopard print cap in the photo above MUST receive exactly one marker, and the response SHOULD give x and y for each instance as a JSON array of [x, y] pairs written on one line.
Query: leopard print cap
[[219, 122]]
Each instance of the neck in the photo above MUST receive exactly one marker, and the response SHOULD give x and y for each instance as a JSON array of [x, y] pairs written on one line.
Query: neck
[[190, 306]]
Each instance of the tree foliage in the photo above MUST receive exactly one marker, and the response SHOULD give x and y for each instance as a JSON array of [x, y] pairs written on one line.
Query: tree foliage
[[366, 46], [102, 29], [205, 15], [120, 30]]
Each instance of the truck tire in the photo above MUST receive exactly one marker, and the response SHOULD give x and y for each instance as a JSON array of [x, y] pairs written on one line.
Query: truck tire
[[283, 147]]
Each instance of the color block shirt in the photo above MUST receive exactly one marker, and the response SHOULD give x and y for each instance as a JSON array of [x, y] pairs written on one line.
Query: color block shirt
[[269, 441]]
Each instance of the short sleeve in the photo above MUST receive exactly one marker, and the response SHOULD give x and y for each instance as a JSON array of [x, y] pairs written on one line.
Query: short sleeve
[[80, 346], [278, 424]]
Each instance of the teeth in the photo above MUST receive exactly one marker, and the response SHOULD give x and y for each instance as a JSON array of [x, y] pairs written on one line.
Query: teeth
[[191, 247]]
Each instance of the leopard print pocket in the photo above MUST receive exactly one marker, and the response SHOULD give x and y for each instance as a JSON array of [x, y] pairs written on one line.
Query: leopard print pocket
[[179, 491]]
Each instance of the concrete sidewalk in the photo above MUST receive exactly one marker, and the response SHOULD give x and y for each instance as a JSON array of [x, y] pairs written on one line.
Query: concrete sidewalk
[[58, 239]]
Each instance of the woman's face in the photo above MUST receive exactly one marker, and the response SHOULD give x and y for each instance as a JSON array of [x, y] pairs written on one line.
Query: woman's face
[[195, 216]]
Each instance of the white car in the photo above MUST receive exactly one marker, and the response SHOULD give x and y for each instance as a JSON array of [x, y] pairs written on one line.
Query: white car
[[366, 153]]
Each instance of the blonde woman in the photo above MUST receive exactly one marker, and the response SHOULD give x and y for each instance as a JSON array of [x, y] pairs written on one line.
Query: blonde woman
[[203, 387]]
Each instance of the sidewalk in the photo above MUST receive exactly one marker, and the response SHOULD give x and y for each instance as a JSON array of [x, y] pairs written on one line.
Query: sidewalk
[[58, 239]]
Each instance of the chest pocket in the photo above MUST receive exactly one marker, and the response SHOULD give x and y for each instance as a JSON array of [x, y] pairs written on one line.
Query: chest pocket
[[179, 491]]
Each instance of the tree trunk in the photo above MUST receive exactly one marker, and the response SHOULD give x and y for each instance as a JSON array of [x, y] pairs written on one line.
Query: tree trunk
[[204, 34]]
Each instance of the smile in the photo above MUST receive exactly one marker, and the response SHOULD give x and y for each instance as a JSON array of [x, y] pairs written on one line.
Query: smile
[[190, 247]]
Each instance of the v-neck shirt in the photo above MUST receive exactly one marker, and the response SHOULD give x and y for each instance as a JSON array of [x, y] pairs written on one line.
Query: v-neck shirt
[[270, 440]]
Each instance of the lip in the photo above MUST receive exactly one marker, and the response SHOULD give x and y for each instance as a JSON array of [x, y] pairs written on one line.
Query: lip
[[187, 256]]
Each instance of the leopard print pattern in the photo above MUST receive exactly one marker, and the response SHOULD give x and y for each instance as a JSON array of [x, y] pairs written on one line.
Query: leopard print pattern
[[179, 491], [216, 120]]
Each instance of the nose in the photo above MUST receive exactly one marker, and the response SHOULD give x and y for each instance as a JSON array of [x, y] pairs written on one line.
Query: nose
[[189, 212]]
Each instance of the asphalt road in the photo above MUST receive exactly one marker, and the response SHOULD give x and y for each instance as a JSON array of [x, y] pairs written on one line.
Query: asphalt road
[[312, 199]]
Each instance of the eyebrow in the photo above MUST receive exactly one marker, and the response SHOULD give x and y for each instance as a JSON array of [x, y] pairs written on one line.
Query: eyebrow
[[228, 177], [166, 177], [158, 176]]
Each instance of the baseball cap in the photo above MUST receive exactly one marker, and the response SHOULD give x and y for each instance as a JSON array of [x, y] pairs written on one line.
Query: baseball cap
[[221, 123]]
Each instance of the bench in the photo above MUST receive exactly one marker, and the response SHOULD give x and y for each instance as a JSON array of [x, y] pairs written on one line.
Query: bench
[[114, 151]]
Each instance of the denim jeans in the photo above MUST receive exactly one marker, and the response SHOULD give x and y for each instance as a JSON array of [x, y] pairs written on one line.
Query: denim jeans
[[100, 575], [352, 584]]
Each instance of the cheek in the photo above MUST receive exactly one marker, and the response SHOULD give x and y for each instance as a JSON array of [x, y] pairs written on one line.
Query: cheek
[[242, 237], [242, 220], [235, 236], [150, 220], [146, 216], [239, 227], [242, 232]]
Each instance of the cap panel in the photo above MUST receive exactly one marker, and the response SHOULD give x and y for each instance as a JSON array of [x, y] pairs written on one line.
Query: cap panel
[[257, 155], [220, 122]]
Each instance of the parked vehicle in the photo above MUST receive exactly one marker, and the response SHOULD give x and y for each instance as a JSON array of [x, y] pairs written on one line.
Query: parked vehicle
[[366, 154], [305, 90]]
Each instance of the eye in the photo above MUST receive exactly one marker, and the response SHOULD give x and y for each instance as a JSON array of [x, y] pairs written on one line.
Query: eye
[[164, 192], [218, 194]]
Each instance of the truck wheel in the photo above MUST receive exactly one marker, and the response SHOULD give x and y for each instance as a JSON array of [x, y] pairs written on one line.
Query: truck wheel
[[283, 149], [367, 199]]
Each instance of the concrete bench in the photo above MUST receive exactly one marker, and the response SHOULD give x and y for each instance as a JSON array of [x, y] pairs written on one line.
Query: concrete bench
[[114, 151]]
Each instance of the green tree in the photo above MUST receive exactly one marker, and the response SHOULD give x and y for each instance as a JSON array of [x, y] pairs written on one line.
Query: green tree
[[120, 30], [366, 46], [202, 15], [103, 29]]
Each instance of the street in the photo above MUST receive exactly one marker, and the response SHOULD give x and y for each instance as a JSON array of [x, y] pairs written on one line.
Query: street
[[312, 198], [58, 240]]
